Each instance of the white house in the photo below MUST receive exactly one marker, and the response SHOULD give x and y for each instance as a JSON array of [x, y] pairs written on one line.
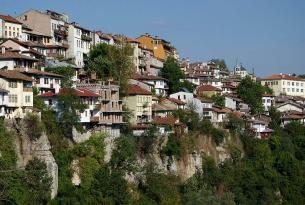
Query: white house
[[268, 101], [230, 103], [158, 84], [10, 27], [288, 106]]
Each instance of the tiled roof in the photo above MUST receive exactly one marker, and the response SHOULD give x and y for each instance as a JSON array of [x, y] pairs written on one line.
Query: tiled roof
[[177, 101], [137, 90], [9, 19], [38, 72], [268, 95], [147, 77], [47, 94], [15, 55], [104, 35], [12, 74], [80, 92], [207, 88], [160, 107], [221, 110], [280, 77], [166, 120]]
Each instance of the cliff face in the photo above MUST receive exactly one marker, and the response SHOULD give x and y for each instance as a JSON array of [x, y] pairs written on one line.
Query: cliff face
[[27, 149], [190, 160]]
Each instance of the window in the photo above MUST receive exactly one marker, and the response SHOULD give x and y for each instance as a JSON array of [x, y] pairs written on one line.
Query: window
[[12, 84], [12, 98], [284, 90], [297, 84], [25, 17], [288, 83], [184, 97], [46, 80], [277, 82], [297, 90], [292, 83], [302, 90], [292, 90], [27, 98], [288, 89], [268, 101], [283, 82], [302, 84]]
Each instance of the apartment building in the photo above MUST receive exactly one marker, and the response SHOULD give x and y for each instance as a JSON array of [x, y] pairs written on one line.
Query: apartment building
[[285, 84], [110, 107], [10, 27], [159, 85], [139, 102], [50, 24], [16, 94], [101, 37], [80, 41]]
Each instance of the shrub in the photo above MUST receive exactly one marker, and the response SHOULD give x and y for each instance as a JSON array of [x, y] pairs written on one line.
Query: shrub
[[33, 126], [172, 147], [218, 136]]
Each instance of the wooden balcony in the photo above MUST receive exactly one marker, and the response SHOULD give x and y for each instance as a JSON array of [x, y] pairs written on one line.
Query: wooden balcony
[[27, 89]]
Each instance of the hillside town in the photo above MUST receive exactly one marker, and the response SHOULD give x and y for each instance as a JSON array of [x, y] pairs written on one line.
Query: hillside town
[[36, 40]]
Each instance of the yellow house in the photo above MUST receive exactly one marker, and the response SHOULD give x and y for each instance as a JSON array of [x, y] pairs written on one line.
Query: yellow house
[[285, 84], [207, 90], [153, 44], [19, 93], [139, 102]]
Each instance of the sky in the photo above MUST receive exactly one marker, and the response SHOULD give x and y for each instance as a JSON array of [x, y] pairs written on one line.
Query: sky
[[265, 35]]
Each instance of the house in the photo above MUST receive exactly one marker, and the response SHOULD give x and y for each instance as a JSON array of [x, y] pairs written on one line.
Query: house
[[11, 59], [259, 128], [219, 114], [80, 41], [230, 102], [268, 101], [160, 110], [52, 24], [101, 37], [240, 71], [169, 124], [293, 116], [285, 84], [173, 103], [288, 106], [228, 89], [10, 27], [207, 90], [110, 106], [207, 108], [159, 85], [44, 81], [139, 102], [16, 93]]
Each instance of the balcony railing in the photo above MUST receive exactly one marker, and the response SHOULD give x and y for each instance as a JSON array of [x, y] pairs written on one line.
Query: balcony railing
[[86, 38], [27, 89]]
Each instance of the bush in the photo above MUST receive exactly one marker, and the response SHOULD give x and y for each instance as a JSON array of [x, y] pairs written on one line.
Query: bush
[[218, 136], [33, 126], [172, 147]]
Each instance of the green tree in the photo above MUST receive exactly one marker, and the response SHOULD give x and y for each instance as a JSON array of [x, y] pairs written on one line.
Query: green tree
[[172, 72], [251, 93], [67, 75], [218, 100], [33, 125], [114, 61], [69, 106], [221, 64], [38, 182]]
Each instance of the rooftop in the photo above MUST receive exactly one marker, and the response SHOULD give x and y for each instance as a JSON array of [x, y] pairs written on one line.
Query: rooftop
[[137, 90], [9, 19]]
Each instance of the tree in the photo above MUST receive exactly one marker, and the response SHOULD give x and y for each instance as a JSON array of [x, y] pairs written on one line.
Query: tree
[[66, 72], [251, 93], [34, 127], [38, 182], [218, 100], [221, 64], [172, 72], [114, 61], [69, 105]]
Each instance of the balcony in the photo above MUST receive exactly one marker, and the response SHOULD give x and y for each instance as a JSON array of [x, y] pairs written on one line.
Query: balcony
[[86, 38], [61, 32]]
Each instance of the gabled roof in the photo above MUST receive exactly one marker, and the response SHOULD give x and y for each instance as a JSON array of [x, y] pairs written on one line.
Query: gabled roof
[[281, 76], [9, 19], [15, 55], [80, 92], [34, 71], [14, 75], [147, 77], [137, 90], [207, 88], [268, 95], [47, 94], [291, 103], [176, 101], [166, 120], [159, 107]]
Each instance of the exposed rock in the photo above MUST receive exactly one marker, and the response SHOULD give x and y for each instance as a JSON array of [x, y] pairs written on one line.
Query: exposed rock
[[109, 142], [76, 180], [80, 137]]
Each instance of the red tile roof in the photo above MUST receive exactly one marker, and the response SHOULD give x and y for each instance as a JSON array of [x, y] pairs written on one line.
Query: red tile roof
[[176, 101], [147, 77], [166, 120], [268, 95], [207, 88], [283, 76], [47, 94], [15, 75], [81, 92], [9, 19], [38, 72], [15, 55], [137, 90]]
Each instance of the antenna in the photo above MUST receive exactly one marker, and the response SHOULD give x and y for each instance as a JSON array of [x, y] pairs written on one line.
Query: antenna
[[253, 71]]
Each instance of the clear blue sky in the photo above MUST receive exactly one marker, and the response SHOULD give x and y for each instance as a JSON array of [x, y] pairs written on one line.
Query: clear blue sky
[[268, 35]]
